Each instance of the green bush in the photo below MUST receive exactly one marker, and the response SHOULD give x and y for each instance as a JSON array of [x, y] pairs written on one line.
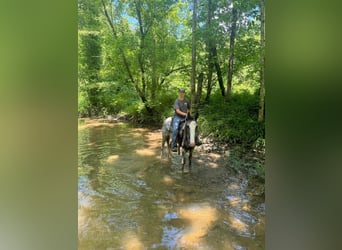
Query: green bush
[[161, 108], [104, 98], [83, 104], [234, 122]]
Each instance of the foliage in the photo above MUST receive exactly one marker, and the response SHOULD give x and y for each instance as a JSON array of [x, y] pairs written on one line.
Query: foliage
[[235, 122], [242, 160], [83, 104], [162, 106], [133, 55]]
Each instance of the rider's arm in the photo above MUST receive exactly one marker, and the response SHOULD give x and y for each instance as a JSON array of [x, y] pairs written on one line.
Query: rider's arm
[[179, 112]]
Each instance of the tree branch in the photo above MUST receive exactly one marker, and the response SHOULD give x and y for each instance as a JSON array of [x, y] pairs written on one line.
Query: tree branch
[[172, 71]]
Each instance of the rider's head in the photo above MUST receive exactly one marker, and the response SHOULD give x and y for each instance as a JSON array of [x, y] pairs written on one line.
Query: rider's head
[[181, 93]]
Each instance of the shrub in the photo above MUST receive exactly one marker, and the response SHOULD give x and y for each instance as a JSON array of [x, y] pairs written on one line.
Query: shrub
[[235, 122], [83, 104]]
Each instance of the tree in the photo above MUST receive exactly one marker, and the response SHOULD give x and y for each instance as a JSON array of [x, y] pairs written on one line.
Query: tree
[[193, 58], [145, 35], [124, 58], [231, 52], [262, 62], [133, 55], [212, 53], [89, 54], [210, 57]]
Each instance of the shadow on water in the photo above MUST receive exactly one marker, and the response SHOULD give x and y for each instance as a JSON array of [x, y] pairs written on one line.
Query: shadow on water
[[129, 198]]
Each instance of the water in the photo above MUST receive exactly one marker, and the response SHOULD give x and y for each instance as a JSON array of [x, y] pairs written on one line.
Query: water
[[130, 198]]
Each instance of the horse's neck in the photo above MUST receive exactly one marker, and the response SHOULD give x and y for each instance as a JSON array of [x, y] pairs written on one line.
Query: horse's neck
[[182, 126]]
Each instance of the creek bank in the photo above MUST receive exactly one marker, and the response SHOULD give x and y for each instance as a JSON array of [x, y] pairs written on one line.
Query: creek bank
[[246, 162]]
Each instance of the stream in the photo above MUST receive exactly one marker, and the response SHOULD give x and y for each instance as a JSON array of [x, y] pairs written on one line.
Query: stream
[[129, 197]]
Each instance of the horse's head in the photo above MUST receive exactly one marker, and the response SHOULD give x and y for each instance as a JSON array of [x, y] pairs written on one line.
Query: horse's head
[[190, 117], [191, 128]]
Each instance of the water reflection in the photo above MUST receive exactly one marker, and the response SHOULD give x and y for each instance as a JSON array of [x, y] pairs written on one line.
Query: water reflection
[[130, 199]]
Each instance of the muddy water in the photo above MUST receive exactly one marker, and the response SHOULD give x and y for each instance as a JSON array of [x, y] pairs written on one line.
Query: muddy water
[[130, 198]]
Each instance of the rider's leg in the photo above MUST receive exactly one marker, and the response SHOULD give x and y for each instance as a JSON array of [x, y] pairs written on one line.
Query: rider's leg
[[175, 126]]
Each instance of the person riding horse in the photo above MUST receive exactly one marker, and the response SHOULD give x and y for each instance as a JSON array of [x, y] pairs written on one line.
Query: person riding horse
[[182, 107]]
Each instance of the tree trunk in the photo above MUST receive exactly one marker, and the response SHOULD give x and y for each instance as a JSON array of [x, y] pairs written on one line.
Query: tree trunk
[[261, 114], [212, 56], [154, 71], [193, 58], [218, 71], [141, 47], [231, 54], [199, 88], [209, 51], [209, 83]]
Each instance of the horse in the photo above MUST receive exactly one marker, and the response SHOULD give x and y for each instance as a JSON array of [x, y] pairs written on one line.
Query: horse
[[185, 138], [166, 135]]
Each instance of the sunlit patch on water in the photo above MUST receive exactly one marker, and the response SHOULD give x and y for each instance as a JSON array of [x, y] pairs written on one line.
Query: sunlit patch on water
[[213, 165], [139, 130], [112, 158], [235, 201], [200, 161], [236, 224], [168, 180], [131, 241], [134, 135], [96, 123], [233, 186], [201, 217], [145, 152], [246, 207], [83, 218]]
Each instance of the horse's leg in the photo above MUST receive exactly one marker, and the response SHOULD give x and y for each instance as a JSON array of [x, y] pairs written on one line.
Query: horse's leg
[[168, 147], [190, 157], [162, 147], [183, 159]]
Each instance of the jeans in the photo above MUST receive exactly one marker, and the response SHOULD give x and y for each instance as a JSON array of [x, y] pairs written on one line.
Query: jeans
[[175, 126]]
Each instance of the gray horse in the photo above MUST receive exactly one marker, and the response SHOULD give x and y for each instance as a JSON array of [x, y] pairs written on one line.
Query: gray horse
[[166, 136]]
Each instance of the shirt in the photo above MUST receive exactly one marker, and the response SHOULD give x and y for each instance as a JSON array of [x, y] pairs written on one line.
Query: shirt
[[182, 105]]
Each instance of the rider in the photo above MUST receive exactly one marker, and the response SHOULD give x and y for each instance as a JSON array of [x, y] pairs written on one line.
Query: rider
[[181, 107]]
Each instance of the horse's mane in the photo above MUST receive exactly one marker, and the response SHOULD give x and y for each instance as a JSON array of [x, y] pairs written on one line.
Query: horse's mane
[[191, 118]]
